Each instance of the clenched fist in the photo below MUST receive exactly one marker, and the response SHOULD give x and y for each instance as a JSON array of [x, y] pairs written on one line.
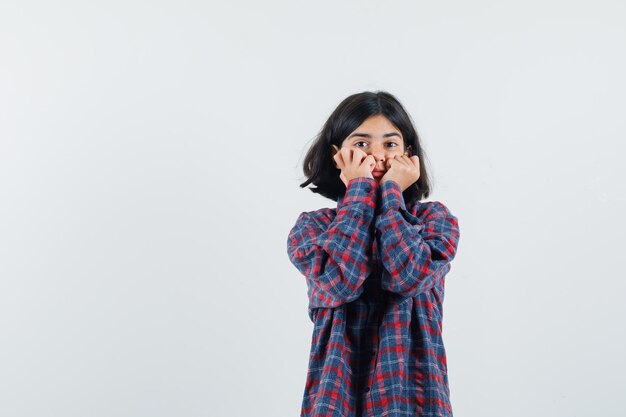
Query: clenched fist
[[353, 163], [402, 169]]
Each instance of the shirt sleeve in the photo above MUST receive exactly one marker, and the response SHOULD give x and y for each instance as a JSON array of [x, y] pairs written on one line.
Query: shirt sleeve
[[335, 257], [415, 253]]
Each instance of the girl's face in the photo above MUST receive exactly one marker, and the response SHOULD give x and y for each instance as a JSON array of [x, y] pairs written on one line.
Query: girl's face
[[376, 136]]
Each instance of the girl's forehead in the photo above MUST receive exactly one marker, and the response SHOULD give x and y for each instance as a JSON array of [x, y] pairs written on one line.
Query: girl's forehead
[[377, 120], [376, 130]]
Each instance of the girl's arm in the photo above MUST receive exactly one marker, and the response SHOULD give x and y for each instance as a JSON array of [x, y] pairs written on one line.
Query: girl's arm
[[334, 256], [415, 253]]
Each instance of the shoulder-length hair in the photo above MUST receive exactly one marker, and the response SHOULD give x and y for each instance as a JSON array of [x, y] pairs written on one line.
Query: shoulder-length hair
[[319, 167]]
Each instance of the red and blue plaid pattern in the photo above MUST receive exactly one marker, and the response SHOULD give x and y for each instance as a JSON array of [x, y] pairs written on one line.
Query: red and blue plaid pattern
[[375, 272]]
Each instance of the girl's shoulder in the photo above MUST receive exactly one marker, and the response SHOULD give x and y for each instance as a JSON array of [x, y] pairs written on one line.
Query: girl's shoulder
[[420, 209], [321, 217]]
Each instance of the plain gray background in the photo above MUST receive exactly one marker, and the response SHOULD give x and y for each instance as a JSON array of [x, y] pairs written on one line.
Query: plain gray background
[[150, 159]]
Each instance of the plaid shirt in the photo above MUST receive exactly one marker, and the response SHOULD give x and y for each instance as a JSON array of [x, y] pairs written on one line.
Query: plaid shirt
[[375, 278]]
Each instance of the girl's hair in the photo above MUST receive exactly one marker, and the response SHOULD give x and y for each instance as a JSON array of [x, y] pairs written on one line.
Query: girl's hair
[[319, 167]]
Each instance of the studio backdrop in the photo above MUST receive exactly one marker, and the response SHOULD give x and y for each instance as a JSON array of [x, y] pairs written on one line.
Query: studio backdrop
[[150, 161]]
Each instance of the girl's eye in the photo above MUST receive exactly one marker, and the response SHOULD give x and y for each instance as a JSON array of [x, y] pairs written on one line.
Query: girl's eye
[[390, 143]]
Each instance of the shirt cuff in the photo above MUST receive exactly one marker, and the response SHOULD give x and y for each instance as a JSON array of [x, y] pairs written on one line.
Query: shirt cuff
[[391, 196], [360, 189]]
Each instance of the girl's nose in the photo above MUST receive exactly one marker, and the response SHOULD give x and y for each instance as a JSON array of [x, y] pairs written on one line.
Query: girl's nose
[[378, 155]]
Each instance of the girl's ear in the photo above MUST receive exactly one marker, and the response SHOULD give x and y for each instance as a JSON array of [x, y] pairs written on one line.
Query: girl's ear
[[408, 151]]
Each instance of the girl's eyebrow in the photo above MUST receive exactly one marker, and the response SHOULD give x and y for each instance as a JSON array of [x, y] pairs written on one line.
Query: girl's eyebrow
[[367, 135]]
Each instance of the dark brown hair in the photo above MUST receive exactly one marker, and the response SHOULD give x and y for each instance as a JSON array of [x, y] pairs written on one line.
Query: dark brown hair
[[319, 167]]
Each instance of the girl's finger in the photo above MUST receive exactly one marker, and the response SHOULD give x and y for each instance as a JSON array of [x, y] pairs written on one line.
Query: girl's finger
[[337, 157], [357, 157], [338, 160], [409, 161], [346, 154], [344, 157], [401, 160]]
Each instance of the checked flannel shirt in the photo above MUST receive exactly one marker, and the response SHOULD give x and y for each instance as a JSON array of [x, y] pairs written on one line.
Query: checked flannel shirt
[[374, 270]]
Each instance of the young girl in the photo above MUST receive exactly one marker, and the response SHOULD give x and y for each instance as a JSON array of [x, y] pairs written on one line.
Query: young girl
[[374, 267]]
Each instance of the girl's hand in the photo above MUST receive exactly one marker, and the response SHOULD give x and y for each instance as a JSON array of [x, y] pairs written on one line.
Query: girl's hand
[[402, 169], [353, 164]]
